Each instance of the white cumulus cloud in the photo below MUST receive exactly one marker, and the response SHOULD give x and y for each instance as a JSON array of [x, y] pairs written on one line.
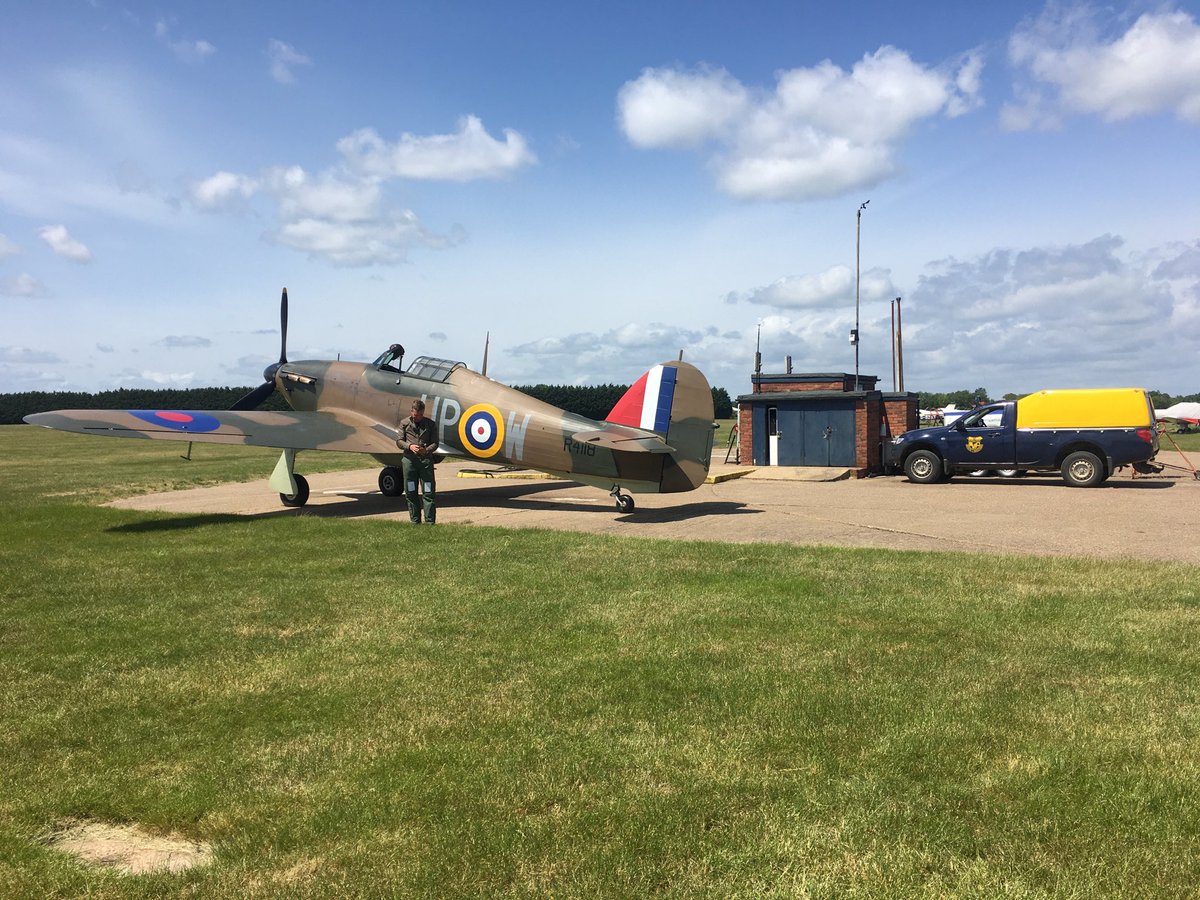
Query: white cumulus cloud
[[833, 287], [187, 51], [468, 154], [1048, 317], [343, 215], [1068, 66], [376, 242], [7, 247], [821, 132], [59, 240], [283, 57], [327, 196], [222, 191], [22, 285], [669, 108]]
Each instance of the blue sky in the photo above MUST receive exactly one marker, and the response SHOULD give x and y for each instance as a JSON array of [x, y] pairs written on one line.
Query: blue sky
[[600, 187]]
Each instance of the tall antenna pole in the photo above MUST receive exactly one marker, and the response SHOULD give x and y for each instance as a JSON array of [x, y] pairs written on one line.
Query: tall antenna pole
[[857, 280], [894, 376], [899, 344], [757, 357]]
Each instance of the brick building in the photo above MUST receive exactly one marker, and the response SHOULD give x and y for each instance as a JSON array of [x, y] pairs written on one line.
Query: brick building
[[821, 419]]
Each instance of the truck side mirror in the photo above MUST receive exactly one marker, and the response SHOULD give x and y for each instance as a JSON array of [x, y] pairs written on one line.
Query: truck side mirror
[[960, 425]]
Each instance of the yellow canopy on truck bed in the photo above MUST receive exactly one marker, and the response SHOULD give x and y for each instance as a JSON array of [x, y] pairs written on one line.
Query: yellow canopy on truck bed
[[1090, 408]]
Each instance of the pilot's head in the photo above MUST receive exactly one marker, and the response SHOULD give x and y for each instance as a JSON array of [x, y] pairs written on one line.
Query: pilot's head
[[396, 350], [418, 409]]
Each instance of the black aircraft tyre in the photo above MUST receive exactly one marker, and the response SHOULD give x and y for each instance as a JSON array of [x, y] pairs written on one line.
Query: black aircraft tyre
[[391, 481], [923, 467], [625, 503], [1083, 469], [300, 497]]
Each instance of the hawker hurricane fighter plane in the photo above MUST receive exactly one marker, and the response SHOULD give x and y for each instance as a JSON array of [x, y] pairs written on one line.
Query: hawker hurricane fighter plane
[[657, 439]]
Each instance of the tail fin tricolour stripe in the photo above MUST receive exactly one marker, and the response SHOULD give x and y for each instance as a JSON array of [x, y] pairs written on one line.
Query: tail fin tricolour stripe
[[674, 401], [648, 403]]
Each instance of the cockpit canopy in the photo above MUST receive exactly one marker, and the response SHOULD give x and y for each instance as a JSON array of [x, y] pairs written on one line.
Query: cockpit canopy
[[433, 368], [428, 367]]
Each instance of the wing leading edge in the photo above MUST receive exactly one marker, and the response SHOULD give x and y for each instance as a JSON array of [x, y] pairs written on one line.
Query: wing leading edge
[[333, 429]]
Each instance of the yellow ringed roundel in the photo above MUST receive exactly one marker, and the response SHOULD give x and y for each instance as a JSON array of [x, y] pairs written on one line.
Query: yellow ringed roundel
[[481, 430]]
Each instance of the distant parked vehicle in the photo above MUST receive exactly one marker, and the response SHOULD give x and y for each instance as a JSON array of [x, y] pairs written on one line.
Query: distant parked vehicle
[[1083, 434]]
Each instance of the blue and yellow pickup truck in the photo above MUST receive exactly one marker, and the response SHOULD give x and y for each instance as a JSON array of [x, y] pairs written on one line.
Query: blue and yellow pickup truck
[[1084, 434]]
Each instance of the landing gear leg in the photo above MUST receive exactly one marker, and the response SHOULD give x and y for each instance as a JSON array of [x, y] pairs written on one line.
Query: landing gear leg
[[624, 502], [293, 489]]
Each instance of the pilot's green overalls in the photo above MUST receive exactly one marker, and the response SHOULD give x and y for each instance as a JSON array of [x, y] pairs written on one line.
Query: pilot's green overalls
[[418, 470]]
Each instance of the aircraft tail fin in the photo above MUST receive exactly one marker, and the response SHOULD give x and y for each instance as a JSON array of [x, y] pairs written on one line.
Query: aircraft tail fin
[[673, 400]]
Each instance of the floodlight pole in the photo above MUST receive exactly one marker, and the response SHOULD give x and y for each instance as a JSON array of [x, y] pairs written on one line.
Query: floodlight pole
[[857, 280], [757, 358]]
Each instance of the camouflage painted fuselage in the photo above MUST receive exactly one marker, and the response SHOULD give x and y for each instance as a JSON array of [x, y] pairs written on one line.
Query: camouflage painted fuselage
[[356, 407], [478, 418]]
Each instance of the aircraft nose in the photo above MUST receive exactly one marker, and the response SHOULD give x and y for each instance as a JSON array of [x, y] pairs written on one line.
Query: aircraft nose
[[269, 371]]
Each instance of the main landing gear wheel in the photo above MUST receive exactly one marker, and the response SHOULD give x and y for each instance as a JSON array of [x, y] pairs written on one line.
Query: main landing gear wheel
[[300, 497], [624, 502], [391, 482]]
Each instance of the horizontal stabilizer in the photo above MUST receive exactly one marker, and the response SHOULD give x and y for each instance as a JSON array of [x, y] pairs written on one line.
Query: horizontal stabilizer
[[629, 440]]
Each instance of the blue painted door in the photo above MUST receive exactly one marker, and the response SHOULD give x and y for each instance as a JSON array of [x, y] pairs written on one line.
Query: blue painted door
[[817, 434]]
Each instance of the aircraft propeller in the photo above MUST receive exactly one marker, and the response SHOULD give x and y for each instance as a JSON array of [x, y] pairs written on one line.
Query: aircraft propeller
[[256, 397]]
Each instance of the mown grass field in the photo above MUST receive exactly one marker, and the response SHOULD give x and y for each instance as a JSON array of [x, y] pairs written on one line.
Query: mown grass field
[[357, 708], [1188, 443]]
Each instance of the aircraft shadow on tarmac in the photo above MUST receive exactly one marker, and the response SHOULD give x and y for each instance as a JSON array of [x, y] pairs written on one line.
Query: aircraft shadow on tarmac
[[517, 497], [485, 497]]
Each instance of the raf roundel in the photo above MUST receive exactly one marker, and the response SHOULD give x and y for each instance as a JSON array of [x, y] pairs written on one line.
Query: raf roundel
[[481, 430], [178, 420]]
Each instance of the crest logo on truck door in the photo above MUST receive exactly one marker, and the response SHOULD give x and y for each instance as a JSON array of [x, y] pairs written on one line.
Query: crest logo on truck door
[[974, 444]]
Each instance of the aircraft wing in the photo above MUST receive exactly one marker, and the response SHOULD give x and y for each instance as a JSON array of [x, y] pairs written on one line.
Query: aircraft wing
[[332, 429], [1181, 412], [626, 438]]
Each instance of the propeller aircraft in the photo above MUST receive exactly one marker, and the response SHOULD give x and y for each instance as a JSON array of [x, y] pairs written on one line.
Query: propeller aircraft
[[657, 439]]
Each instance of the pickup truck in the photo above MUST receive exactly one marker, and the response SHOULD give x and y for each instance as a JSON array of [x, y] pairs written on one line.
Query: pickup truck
[[1084, 434]]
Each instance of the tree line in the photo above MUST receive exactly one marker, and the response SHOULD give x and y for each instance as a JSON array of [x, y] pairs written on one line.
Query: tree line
[[965, 399], [594, 402]]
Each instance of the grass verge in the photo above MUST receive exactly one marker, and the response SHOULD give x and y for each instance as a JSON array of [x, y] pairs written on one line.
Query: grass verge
[[359, 708]]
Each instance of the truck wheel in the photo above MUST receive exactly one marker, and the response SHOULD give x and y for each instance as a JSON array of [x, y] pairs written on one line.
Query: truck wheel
[[923, 467], [1083, 469]]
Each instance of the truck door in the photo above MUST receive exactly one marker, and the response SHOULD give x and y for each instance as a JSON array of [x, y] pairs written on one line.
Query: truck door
[[983, 436]]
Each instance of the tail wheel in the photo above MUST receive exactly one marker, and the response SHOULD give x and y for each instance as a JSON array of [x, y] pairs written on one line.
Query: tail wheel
[[923, 467], [300, 497], [625, 503], [1083, 469]]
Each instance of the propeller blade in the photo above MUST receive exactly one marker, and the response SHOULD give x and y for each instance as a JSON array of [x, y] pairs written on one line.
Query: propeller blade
[[255, 398], [283, 327]]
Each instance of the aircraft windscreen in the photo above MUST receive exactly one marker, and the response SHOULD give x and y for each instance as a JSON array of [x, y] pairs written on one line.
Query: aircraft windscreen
[[433, 368]]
